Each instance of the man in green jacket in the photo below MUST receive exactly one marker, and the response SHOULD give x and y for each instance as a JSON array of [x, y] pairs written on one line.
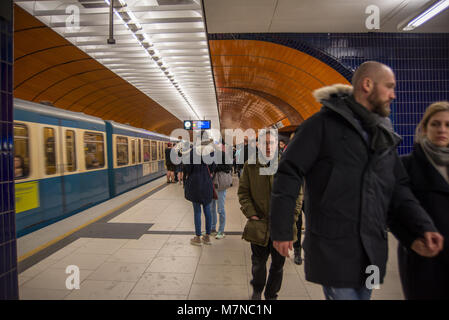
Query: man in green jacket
[[254, 196]]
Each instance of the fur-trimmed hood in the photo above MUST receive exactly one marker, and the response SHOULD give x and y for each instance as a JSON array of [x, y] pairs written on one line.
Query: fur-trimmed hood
[[335, 90]]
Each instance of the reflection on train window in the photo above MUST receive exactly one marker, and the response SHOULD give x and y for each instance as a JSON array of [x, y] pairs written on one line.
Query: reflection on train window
[[122, 151], [21, 153], [133, 151], [146, 150], [140, 151], [70, 148], [49, 151], [153, 150], [94, 150]]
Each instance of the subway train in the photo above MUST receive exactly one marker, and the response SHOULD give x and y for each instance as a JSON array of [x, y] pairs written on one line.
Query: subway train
[[66, 162]]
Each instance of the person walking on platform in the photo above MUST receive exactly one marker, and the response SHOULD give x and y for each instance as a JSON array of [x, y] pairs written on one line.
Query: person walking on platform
[[254, 194], [241, 156], [198, 189], [428, 169], [178, 168], [169, 164], [222, 179], [346, 153], [282, 146]]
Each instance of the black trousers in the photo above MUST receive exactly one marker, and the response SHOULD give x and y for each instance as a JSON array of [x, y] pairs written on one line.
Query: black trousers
[[297, 244], [259, 259]]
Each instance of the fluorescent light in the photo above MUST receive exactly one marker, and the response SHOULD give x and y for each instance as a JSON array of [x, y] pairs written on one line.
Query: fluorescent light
[[427, 15]]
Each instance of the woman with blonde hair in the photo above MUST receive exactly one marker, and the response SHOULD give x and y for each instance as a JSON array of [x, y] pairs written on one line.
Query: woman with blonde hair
[[428, 169]]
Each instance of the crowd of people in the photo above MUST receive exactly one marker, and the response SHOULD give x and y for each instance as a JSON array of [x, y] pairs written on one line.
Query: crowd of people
[[342, 170]]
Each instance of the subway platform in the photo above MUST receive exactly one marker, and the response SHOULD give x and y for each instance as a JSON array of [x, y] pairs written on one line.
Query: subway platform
[[137, 247]]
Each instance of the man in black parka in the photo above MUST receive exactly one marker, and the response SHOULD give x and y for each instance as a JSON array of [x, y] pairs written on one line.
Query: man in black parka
[[347, 155]]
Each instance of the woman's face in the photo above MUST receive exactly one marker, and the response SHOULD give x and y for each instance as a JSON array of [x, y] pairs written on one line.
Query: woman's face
[[437, 129]]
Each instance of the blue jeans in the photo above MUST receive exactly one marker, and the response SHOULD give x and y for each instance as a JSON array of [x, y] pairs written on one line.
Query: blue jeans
[[197, 217], [221, 211], [332, 293]]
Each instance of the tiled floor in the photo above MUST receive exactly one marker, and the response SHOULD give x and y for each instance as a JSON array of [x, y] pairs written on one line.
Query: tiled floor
[[163, 265]]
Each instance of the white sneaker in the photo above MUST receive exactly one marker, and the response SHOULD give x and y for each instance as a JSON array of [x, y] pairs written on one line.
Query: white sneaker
[[220, 235]]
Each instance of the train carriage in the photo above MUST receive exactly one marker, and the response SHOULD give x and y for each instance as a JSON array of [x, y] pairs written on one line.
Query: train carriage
[[66, 162], [136, 156]]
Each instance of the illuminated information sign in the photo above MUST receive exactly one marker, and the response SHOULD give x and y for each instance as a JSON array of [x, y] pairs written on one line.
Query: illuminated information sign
[[197, 124]]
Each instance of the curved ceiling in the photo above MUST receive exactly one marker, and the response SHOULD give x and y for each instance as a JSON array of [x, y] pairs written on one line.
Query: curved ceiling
[[52, 69], [283, 78], [242, 109], [258, 83]]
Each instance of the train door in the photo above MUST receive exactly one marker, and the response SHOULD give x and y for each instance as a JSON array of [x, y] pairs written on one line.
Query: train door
[[52, 203], [133, 167], [70, 177]]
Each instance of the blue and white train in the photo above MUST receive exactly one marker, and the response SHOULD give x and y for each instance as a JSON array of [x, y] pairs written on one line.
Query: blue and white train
[[66, 162]]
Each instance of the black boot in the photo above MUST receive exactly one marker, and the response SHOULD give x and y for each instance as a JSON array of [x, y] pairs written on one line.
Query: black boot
[[298, 259]]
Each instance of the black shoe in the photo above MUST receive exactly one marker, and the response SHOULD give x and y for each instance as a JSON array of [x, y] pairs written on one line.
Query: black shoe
[[256, 296], [298, 259]]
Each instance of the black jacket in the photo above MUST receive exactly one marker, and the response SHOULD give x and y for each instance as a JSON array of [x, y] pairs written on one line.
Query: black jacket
[[198, 182], [349, 188], [425, 278]]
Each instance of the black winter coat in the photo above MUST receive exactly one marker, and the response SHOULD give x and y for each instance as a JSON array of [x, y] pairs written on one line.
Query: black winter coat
[[349, 188], [198, 183], [426, 278]]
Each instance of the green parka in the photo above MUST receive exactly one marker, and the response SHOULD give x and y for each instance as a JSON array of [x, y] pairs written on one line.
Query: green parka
[[254, 196]]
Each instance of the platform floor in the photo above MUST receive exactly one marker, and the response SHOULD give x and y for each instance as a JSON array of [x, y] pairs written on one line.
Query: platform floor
[[130, 248]]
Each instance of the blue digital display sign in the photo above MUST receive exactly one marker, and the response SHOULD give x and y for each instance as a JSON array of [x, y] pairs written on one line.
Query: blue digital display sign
[[197, 124]]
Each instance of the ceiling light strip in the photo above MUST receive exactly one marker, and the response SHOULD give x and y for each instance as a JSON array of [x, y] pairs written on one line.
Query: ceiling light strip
[[427, 15]]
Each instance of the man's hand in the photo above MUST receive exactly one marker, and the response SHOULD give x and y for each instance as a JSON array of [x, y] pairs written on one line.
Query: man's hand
[[430, 245], [254, 218], [283, 246]]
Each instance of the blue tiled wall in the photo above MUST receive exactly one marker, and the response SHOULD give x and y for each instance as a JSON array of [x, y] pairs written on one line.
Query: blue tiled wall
[[420, 61], [8, 250]]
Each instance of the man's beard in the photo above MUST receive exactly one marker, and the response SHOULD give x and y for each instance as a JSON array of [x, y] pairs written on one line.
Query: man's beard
[[380, 107]]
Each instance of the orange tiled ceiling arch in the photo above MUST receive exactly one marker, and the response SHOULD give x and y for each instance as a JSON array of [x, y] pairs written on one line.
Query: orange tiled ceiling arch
[[273, 70], [242, 109], [49, 68]]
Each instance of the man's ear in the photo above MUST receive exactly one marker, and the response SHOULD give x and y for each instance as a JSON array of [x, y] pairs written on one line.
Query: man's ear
[[367, 85]]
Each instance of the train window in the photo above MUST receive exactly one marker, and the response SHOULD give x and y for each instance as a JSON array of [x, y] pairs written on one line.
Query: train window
[[94, 150], [146, 150], [153, 150], [49, 151], [122, 151], [133, 151], [70, 148], [21, 153], [139, 148]]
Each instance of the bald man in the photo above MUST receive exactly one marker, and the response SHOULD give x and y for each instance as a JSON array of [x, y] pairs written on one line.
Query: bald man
[[355, 185]]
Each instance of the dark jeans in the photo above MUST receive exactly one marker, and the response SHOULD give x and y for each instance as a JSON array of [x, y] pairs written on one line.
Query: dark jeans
[[259, 259], [297, 244]]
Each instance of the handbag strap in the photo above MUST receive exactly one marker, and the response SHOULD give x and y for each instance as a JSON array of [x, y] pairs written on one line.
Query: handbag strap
[[209, 172]]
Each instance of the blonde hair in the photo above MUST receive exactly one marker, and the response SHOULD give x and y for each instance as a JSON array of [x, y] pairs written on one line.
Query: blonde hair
[[430, 112]]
